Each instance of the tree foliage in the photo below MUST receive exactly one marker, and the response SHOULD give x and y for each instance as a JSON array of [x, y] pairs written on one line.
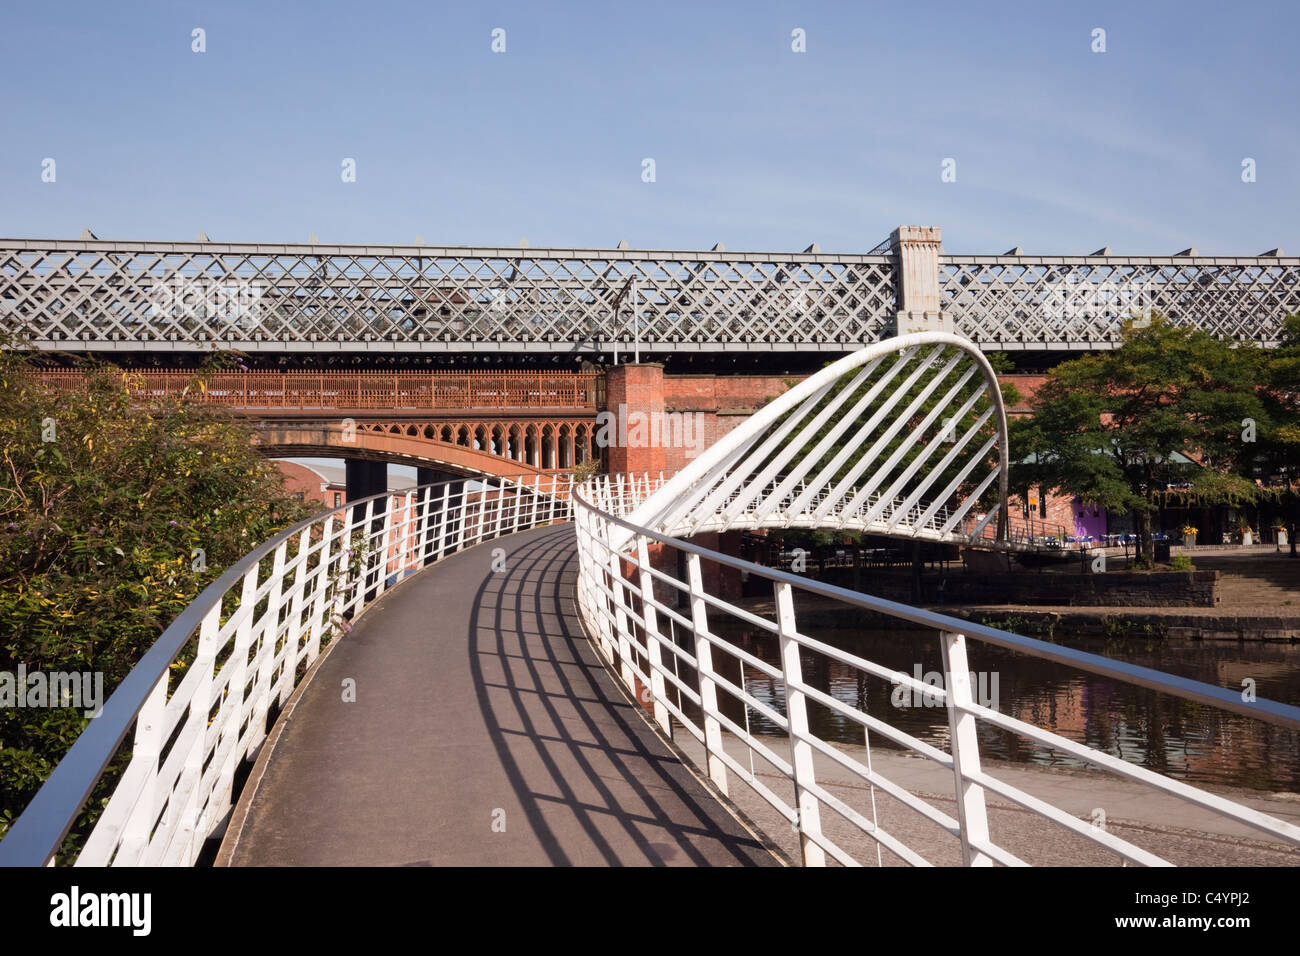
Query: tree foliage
[[114, 515], [1278, 455], [1173, 413]]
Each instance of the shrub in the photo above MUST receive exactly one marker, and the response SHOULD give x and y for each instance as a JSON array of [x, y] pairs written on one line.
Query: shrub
[[104, 501]]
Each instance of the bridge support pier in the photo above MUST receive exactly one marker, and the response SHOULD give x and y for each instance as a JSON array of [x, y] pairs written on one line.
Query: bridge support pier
[[366, 478], [630, 427], [363, 479], [920, 306]]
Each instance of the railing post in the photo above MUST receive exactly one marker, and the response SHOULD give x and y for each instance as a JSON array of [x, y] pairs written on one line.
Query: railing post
[[462, 521], [408, 538], [322, 585], [270, 631], [796, 712], [359, 599], [704, 666], [294, 635], [652, 636], [181, 850], [621, 621], [501, 508], [443, 518], [147, 747], [386, 542], [482, 511], [971, 813], [426, 516], [230, 715], [605, 593]]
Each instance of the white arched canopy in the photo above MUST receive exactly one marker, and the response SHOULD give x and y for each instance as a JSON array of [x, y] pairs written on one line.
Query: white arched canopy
[[904, 438]]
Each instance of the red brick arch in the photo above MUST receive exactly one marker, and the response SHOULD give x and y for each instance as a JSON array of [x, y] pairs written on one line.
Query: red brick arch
[[504, 446]]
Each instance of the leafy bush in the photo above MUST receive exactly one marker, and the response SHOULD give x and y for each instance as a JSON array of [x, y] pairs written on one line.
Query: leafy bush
[[1181, 562], [104, 503]]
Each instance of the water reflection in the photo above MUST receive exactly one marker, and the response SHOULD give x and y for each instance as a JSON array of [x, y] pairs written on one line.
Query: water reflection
[[1182, 739]]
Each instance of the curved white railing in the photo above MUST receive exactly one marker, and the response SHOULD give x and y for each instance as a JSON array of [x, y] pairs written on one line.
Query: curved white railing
[[660, 635], [202, 697]]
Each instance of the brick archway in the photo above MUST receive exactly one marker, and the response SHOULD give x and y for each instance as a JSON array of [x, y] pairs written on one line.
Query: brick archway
[[306, 439]]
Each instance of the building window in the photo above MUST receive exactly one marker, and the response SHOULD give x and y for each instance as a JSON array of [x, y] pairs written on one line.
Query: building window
[[337, 496]]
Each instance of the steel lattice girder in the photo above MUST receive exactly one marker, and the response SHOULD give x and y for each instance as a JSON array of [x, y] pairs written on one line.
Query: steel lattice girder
[[131, 296], [1034, 302], [92, 295]]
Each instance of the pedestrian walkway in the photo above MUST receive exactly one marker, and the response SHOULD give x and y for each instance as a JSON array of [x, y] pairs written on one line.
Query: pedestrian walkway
[[484, 731]]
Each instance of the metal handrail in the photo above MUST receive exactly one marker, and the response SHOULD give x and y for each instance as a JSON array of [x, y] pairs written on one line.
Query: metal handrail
[[1285, 715], [37, 834], [617, 584]]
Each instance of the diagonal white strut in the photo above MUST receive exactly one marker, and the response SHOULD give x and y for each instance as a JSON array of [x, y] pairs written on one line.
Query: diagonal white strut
[[773, 469]]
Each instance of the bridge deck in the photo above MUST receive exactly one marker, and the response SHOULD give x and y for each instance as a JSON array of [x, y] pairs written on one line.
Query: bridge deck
[[476, 693]]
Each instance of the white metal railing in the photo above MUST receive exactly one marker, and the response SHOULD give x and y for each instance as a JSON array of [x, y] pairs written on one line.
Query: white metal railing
[[657, 630], [201, 697]]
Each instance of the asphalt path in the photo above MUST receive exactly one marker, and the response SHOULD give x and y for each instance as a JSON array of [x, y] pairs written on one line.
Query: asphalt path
[[484, 731]]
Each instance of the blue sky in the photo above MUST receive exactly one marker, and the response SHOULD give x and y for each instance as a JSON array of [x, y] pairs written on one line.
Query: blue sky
[[1058, 149]]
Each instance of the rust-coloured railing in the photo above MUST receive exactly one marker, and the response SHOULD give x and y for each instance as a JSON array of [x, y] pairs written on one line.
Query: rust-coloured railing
[[363, 389]]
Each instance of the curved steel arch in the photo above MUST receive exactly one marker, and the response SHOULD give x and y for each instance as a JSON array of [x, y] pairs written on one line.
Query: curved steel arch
[[773, 470]]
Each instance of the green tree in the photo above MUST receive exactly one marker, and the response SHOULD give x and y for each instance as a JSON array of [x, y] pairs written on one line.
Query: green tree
[[107, 502], [1278, 458], [1160, 417]]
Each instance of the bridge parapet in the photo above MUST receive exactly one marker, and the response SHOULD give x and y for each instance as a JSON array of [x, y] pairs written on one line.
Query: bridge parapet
[[276, 391]]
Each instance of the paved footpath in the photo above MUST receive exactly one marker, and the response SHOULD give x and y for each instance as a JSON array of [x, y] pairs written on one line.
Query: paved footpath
[[485, 731]]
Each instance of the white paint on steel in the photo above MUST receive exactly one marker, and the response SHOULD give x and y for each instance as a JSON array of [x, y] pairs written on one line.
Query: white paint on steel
[[757, 475]]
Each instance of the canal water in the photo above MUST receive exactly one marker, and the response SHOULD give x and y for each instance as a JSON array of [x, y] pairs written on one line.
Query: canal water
[[1184, 740]]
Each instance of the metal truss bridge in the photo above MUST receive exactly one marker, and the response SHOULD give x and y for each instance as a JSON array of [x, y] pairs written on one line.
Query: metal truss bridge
[[110, 296]]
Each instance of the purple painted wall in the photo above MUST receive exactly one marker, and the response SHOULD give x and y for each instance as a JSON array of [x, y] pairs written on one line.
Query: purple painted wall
[[1086, 523]]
